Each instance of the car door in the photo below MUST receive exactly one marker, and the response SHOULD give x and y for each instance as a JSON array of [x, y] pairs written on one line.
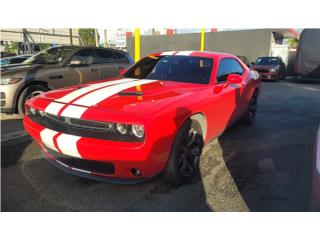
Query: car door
[[229, 95], [106, 63], [56, 76], [85, 71]]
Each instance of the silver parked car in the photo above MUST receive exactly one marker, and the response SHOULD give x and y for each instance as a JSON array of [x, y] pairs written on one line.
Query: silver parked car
[[57, 67], [15, 59]]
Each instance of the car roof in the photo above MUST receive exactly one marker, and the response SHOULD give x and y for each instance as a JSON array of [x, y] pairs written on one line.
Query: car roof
[[268, 57], [86, 47], [208, 54]]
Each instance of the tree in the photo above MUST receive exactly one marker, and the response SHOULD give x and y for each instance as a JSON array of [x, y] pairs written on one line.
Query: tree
[[87, 36], [293, 42], [12, 47]]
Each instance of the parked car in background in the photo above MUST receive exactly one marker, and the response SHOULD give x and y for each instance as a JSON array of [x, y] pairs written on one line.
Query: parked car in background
[[7, 54], [307, 63], [55, 68], [270, 68], [154, 119], [315, 197], [14, 60]]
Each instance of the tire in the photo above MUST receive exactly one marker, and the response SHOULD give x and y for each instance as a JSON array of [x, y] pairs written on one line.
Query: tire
[[250, 115], [28, 93], [183, 162]]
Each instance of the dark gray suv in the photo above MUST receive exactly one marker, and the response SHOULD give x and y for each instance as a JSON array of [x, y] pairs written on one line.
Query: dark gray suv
[[57, 67]]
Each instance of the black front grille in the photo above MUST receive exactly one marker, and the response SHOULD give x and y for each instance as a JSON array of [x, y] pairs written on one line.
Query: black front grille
[[83, 164], [263, 70], [82, 128]]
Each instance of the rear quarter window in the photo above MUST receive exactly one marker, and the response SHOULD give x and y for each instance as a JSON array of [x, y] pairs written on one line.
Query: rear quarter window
[[120, 57]]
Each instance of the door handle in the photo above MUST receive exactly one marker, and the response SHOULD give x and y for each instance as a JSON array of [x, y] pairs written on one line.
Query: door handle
[[56, 77], [93, 69]]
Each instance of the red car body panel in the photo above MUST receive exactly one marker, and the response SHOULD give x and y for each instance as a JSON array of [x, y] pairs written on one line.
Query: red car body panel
[[163, 108]]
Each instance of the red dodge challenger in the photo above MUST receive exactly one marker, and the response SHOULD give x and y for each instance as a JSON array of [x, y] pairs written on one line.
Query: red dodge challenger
[[153, 119]]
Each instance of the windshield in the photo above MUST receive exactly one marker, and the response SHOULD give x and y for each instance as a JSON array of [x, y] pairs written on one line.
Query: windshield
[[173, 68], [267, 61], [50, 56]]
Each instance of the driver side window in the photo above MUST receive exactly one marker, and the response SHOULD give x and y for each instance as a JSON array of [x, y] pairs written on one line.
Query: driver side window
[[226, 67], [85, 56]]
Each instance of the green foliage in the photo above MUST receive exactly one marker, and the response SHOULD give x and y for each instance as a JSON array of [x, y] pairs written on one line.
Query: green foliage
[[44, 46], [293, 42], [13, 47], [87, 36]]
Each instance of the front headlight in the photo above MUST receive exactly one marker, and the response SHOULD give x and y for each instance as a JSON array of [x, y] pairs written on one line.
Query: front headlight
[[10, 80], [135, 130], [138, 130], [274, 69], [122, 128]]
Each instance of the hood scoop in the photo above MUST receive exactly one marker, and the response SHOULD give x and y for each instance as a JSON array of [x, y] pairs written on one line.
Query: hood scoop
[[136, 93]]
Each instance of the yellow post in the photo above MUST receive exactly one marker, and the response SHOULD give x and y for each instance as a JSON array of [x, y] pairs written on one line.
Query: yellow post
[[202, 40], [136, 44]]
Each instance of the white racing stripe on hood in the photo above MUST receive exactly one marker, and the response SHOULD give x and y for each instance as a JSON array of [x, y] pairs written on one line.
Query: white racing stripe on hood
[[101, 94], [54, 108], [77, 93], [73, 111], [98, 96]]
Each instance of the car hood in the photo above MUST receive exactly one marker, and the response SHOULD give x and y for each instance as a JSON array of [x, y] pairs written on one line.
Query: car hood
[[21, 67], [125, 95]]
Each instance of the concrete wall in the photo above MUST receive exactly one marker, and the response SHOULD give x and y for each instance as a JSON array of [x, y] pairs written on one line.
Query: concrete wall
[[249, 43]]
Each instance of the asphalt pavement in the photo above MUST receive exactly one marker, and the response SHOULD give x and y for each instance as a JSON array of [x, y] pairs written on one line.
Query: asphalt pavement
[[263, 167]]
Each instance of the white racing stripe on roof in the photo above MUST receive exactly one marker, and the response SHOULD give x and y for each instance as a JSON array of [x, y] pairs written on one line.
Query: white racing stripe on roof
[[77, 93], [54, 108], [184, 53], [101, 94], [168, 53], [47, 136], [68, 145]]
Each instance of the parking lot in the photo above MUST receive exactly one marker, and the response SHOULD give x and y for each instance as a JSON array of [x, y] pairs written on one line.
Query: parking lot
[[264, 167]]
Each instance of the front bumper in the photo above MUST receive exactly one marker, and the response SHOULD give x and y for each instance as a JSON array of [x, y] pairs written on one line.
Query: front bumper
[[56, 162], [8, 97], [124, 156], [269, 75]]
